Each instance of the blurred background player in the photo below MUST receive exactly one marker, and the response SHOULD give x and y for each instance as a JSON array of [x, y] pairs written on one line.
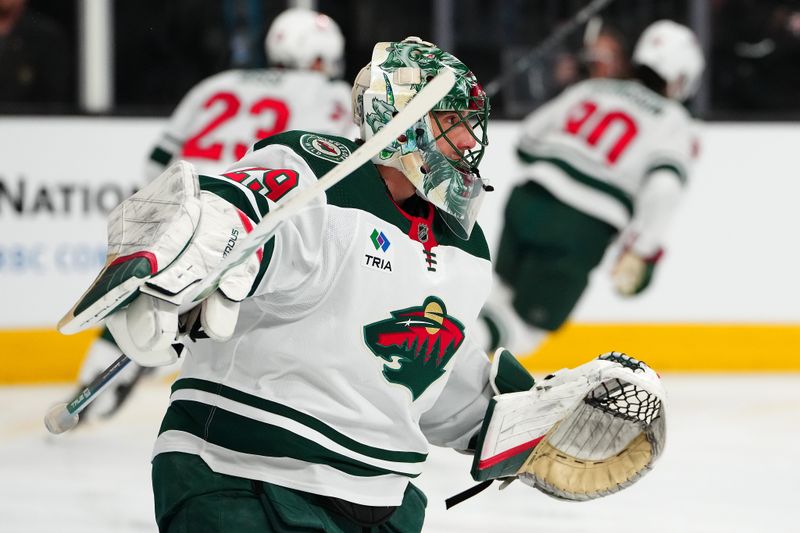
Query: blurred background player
[[223, 115], [606, 159]]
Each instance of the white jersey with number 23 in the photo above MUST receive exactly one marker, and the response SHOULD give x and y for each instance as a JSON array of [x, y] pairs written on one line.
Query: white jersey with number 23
[[222, 116]]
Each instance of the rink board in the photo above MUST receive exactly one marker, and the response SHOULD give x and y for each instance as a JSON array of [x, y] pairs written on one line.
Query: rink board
[[723, 299]]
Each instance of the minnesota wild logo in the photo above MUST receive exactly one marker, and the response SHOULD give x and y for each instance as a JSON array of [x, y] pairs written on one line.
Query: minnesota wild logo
[[416, 343], [324, 148]]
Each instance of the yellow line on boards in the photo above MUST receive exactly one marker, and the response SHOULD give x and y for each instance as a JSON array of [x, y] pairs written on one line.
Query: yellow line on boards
[[46, 356], [42, 355], [676, 347]]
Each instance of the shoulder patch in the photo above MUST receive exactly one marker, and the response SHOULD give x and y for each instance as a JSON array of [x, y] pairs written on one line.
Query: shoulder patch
[[324, 147]]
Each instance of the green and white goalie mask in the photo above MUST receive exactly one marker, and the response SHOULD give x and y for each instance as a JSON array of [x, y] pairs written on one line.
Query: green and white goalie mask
[[451, 181]]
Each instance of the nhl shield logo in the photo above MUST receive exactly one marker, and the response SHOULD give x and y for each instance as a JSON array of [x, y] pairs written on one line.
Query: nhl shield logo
[[416, 343], [324, 147], [422, 233]]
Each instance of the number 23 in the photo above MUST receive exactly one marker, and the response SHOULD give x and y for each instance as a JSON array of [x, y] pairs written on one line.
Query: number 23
[[193, 148]]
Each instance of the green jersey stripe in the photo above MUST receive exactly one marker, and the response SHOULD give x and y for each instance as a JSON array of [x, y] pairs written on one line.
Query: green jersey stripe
[[677, 169], [233, 194], [302, 418], [245, 435], [269, 249], [615, 192]]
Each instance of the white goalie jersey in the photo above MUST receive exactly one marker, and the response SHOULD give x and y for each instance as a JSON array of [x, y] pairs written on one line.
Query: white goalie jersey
[[221, 117], [597, 146], [351, 353]]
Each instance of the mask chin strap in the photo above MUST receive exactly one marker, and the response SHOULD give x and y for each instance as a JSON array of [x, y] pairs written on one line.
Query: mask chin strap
[[485, 184]]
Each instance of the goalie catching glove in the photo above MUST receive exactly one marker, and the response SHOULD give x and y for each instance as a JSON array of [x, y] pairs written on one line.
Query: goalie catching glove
[[577, 435], [162, 240]]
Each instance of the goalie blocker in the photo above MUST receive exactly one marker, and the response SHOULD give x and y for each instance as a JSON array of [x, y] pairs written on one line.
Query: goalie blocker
[[577, 435], [162, 241]]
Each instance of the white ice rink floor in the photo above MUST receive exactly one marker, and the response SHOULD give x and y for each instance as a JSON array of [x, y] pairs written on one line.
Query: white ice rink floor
[[731, 465]]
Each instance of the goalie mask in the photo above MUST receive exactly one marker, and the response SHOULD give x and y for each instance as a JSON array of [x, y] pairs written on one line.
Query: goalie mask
[[397, 72]]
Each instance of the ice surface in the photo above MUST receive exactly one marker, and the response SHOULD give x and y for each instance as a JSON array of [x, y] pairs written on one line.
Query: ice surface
[[731, 465]]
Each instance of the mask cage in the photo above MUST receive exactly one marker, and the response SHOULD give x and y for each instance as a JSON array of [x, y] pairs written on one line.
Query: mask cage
[[475, 119]]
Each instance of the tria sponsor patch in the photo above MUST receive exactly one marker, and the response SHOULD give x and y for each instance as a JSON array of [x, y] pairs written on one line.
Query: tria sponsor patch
[[378, 252], [379, 240]]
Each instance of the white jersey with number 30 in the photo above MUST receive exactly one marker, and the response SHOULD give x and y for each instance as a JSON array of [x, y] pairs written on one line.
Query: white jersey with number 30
[[222, 116], [595, 146]]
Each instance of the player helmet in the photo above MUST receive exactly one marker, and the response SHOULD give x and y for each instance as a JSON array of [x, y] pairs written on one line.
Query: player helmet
[[298, 37], [672, 51], [398, 71]]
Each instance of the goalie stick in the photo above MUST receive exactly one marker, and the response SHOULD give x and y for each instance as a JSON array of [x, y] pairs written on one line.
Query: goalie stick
[[64, 416], [543, 48]]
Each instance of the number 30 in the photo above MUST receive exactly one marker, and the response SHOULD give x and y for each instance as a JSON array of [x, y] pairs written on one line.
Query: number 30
[[578, 116]]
